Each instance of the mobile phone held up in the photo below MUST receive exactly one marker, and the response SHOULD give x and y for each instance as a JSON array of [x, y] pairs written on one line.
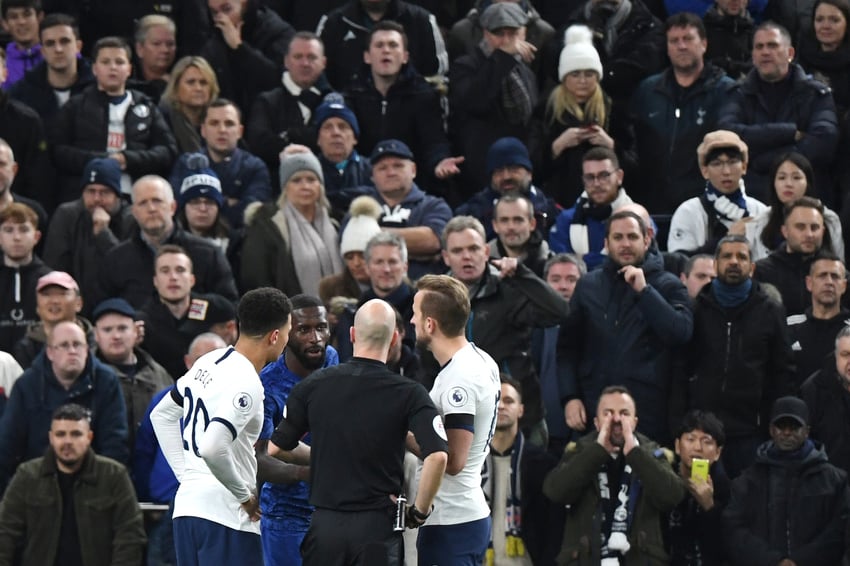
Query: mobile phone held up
[[699, 469]]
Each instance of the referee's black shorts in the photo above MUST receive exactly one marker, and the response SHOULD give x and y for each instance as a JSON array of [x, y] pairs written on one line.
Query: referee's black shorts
[[353, 538]]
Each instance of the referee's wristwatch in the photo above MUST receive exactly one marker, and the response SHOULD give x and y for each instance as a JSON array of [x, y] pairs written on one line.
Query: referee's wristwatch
[[416, 518]]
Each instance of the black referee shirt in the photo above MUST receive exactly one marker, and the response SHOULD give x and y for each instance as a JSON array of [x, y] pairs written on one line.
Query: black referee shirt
[[358, 414]]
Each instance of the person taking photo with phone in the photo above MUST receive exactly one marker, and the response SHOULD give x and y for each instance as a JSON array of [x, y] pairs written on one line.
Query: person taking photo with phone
[[693, 528]]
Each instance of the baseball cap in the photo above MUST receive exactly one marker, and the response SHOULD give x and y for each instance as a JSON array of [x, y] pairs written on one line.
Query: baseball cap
[[59, 278], [791, 408], [390, 148], [115, 305]]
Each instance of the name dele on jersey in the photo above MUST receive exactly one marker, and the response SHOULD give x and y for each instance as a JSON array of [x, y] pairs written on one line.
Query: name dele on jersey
[[203, 377]]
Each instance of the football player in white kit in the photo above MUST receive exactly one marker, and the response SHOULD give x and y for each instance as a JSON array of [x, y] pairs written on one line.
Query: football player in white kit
[[220, 400], [466, 393]]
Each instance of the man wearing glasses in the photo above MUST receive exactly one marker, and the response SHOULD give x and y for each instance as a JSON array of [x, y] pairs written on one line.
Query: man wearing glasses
[[724, 206], [65, 373], [581, 229]]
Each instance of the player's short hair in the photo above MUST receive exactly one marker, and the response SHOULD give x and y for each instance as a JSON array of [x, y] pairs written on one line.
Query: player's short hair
[[305, 301], [705, 421], [19, 213], [71, 412], [262, 310], [446, 300]]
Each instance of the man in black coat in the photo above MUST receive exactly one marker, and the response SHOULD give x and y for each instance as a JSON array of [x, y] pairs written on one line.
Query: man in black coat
[[791, 506], [127, 269], [788, 265], [827, 394], [284, 115], [739, 360], [346, 30], [777, 108], [109, 120], [626, 321]]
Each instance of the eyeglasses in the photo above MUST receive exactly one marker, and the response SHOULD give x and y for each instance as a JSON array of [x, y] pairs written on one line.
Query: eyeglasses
[[720, 163], [590, 178], [68, 346]]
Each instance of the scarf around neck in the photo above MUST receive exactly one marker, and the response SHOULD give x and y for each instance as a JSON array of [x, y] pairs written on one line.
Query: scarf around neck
[[314, 247], [729, 207], [585, 209], [731, 296], [612, 23]]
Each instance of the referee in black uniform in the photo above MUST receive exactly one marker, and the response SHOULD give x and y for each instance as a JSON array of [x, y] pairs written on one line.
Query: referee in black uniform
[[359, 414]]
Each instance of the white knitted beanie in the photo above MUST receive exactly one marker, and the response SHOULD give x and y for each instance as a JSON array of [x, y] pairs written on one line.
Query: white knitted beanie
[[578, 53], [363, 224]]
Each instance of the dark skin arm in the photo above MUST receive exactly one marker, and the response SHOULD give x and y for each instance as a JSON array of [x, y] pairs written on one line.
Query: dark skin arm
[[272, 470]]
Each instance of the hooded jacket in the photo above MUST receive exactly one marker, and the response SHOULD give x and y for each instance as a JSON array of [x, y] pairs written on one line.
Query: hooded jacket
[[784, 506], [18, 300]]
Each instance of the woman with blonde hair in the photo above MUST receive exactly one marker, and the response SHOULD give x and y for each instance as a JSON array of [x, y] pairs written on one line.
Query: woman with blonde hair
[[293, 243], [191, 86], [576, 117]]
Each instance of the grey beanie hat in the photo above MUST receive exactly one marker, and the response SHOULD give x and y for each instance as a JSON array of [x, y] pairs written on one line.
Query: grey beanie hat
[[293, 163]]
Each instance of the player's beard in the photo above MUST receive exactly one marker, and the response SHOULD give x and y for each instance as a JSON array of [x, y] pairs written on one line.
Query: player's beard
[[309, 362]]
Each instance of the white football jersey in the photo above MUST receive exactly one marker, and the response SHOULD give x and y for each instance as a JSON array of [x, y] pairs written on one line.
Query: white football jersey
[[222, 386], [468, 384]]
